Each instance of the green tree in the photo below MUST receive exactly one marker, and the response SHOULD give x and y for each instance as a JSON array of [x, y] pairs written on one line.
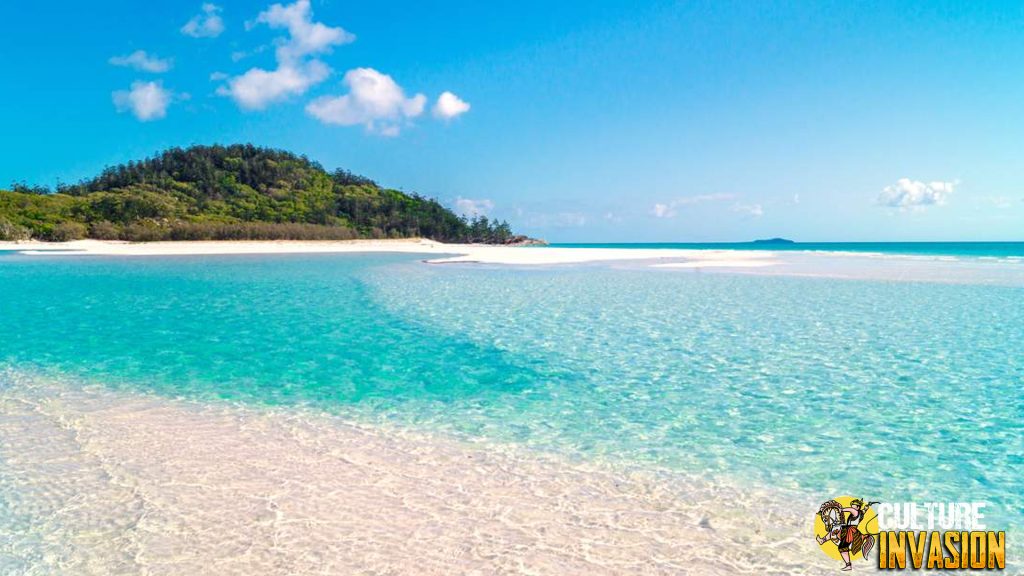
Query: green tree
[[237, 191]]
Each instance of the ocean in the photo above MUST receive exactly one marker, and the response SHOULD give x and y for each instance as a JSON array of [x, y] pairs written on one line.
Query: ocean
[[806, 387], [977, 249]]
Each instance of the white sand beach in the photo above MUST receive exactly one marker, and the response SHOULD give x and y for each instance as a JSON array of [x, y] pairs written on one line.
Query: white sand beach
[[798, 263], [447, 253]]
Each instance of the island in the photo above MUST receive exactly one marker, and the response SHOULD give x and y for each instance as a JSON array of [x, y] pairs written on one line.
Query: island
[[774, 241], [236, 192]]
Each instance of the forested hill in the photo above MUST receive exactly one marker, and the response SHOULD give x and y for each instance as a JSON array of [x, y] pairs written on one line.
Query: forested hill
[[239, 192]]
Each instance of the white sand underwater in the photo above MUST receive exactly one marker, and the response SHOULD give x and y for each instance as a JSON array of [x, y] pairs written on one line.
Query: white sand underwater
[[112, 483]]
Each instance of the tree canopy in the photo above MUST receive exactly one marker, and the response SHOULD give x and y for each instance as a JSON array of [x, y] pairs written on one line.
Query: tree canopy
[[232, 192]]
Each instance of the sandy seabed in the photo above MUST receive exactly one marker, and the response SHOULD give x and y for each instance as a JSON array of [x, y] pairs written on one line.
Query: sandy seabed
[[104, 482]]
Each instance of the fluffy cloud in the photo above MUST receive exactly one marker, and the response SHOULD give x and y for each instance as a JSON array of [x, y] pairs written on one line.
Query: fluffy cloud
[[258, 88], [668, 209], [142, 61], [305, 36], [471, 207], [374, 100], [206, 24], [146, 100], [449, 106], [909, 194], [295, 73]]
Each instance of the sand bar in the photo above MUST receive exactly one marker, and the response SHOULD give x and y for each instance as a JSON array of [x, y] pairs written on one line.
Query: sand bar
[[446, 253]]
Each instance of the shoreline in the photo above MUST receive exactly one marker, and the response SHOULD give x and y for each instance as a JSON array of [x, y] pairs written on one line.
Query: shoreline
[[790, 263], [444, 253]]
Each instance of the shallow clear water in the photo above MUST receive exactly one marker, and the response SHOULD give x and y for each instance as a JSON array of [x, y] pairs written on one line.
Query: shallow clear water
[[890, 390], [1013, 250]]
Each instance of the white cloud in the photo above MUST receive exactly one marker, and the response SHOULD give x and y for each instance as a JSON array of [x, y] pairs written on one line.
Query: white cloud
[[206, 24], [471, 207], [142, 61], [663, 211], [218, 76], [258, 88], [668, 209], [909, 194], [295, 73], [754, 210], [305, 36], [449, 106], [146, 100], [374, 100], [796, 198]]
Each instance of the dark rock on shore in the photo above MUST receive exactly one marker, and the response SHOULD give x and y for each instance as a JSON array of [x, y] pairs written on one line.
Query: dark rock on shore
[[520, 240]]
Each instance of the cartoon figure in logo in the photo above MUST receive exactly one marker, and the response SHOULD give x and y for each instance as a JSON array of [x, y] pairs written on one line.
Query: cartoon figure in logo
[[842, 528]]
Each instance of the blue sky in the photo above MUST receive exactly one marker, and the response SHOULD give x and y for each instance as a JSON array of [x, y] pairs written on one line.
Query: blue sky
[[576, 121]]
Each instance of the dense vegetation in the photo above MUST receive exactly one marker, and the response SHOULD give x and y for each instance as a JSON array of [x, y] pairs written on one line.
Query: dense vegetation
[[238, 192]]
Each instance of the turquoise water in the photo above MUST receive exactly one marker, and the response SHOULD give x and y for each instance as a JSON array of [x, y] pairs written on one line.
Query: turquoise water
[[968, 249], [891, 390]]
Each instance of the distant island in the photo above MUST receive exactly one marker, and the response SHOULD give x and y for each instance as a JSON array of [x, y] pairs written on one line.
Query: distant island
[[237, 192], [774, 241]]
